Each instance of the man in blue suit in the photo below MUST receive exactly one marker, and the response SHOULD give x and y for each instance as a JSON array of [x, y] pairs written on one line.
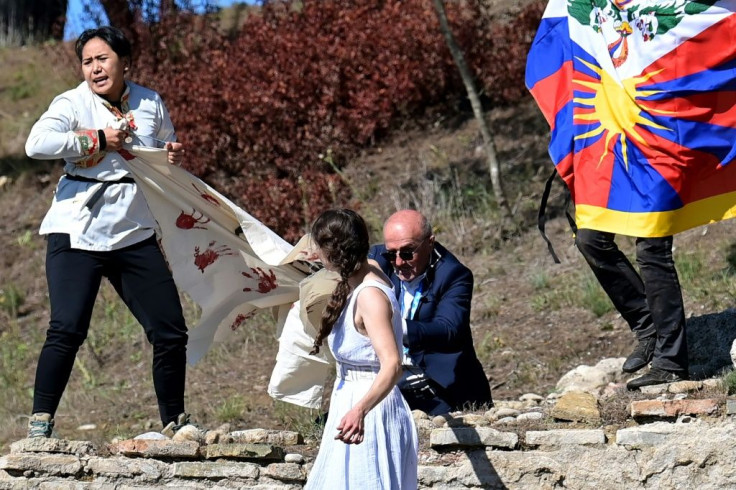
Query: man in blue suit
[[441, 370]]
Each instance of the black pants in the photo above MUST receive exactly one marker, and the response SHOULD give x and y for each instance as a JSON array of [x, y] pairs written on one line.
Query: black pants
[[651, 303], [142, 278], [422, 393]]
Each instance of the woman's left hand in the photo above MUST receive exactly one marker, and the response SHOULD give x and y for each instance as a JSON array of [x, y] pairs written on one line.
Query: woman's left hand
[[350, 429], [176, 152]]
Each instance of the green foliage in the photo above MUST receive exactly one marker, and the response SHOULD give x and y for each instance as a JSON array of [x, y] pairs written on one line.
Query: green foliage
[[299, 419], [594, 298], [231, 408], [540, 281], [729, 382], [15, 354], [579, 289], [488, 345], [11, 299], [689, 267]]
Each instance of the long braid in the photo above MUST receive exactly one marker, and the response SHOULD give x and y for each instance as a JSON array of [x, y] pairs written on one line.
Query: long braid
[[342, 237]]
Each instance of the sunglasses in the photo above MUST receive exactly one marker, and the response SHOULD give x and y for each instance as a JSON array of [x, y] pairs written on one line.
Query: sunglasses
[[405, 254]]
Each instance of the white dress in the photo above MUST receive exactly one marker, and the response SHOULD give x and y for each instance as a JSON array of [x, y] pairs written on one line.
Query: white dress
[[387, 457]]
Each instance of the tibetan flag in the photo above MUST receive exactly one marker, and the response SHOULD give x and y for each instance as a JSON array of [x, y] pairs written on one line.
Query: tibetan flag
[[640, 96]]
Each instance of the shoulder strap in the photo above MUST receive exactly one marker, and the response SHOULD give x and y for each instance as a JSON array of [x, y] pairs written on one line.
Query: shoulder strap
[[542, 216]]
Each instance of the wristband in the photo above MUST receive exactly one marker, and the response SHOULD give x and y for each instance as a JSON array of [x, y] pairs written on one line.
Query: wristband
[[103, 140]]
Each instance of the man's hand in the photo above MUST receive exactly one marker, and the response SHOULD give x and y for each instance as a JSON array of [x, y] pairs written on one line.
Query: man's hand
[[176, 152]]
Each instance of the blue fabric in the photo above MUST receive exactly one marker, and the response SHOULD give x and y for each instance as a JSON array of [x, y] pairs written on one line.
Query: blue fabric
[[439, 337]]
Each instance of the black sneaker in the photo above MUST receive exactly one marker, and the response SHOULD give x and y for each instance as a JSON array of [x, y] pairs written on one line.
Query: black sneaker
[[656, 376], [641, 356]]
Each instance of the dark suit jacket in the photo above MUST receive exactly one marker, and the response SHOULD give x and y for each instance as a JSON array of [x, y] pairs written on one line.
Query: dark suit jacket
[[439, 337]]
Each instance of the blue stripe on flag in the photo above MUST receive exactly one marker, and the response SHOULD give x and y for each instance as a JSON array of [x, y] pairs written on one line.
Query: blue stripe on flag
[[719, 141], [722, 77], [640, 188], [550, 50], [562, 136]]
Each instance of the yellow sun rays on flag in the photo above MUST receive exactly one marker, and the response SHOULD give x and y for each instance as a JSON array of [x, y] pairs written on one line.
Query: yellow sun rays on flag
[[615, 106]]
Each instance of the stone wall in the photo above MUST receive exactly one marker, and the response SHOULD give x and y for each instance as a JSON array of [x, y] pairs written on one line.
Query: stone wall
[[689, 453]]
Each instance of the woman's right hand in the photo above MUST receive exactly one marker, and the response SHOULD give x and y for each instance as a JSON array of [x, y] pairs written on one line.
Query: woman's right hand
[[114, 138], [350, 430]]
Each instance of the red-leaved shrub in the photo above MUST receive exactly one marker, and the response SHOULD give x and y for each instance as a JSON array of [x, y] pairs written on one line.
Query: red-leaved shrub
[[260, 112]]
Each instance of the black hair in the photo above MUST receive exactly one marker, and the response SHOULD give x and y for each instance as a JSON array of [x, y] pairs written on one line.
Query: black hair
[[342, 237], [113, 36]]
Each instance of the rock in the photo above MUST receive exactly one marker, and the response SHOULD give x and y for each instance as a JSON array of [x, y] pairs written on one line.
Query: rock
[[53, 445], [285, 472], [533, 397], [151, 436], [563, 437], [155, 449], [472, 437], [419, 415], [243, 451], [189, 433], [714, 384], [731, 406], [294, 458], [685, 386], [212, 437], [207, 469], [468, 419], [513, 404], [507, 412], [52, 464], [583, 378], [577, 406], [530, 416], [672, 408], [263, 436]]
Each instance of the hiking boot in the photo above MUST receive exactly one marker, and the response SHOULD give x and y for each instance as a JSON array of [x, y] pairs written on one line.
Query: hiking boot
[[641, 356], [184, 430], [40, 425], [656, 376]]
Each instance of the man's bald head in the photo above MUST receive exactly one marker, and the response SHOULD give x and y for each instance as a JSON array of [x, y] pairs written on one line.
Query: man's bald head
[[408, 231], [408, 221]]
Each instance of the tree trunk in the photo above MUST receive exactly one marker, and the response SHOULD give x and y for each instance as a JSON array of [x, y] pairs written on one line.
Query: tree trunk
[[118, 13], [23, 22], [485, 131]]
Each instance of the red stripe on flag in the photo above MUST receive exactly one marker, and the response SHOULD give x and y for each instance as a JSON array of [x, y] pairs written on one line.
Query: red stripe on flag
[[693, 174], [713, 107], [712, 47], [558, 84], [593, 176]]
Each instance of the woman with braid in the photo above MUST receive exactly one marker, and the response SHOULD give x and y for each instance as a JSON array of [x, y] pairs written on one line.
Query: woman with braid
[[370, 440]]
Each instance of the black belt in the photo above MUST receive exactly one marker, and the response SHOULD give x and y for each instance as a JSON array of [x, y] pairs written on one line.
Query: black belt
[[105, 184]]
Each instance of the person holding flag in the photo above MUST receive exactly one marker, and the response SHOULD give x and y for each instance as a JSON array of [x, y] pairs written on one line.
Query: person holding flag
[[640, 101]]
